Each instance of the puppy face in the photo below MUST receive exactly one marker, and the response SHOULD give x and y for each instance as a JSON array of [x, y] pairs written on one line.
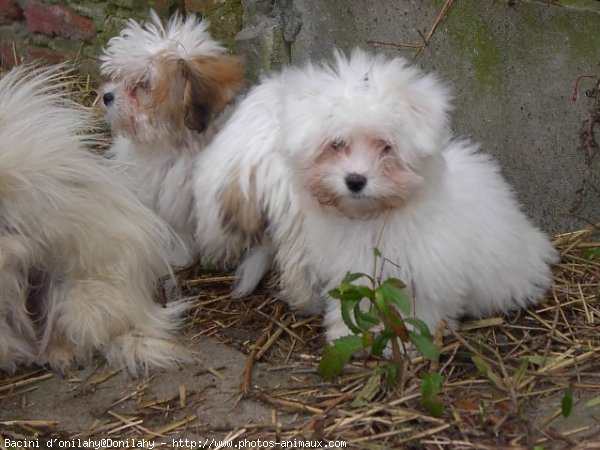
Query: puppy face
[[172, 96], [358, 131], [360, 175], [166, 81]]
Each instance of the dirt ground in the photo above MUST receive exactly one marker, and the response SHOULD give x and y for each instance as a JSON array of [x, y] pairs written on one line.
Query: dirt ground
[[94, 401], [506, 380]]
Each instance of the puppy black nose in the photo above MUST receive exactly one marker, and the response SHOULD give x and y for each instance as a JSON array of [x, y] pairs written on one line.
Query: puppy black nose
[[108, 98], [356, 182]]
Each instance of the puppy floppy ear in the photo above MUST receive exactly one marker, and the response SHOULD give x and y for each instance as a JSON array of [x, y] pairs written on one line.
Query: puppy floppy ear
[[196, 110], [210, 84]]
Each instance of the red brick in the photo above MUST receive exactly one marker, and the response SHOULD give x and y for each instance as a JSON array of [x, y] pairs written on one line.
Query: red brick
[[199, 6], [25, 53], [58, 20], [167, 7], [34, 53], [10, 11], [161, 6]]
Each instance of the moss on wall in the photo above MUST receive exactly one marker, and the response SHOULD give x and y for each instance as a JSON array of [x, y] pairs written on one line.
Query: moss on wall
[[488, 49], [470, 30], [225, 17]]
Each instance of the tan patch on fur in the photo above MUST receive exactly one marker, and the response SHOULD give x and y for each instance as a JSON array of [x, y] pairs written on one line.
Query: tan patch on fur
[[190, 93], [221, 78], [315, 175], [240, 214], [211, 83], [167, 94]]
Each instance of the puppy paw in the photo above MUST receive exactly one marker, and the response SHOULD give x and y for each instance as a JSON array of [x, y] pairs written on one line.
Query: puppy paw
[[60, 358], [138, 353]]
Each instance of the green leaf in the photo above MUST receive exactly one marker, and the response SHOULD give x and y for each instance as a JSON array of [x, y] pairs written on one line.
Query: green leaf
[[593, 253], [337, 354], [380, 343], [376, 252], [346, 307], [391, 375], [351, 277], [367, 339], [566, 406], [431, 386], [594, 401], [357, 293], [351, 292], [335, 293], [346, 292], [482, 365], [424, 345], [541, 360], [370, 390], [521, 371], [396, 323], [420, 326], [496, 380], [486, 370], [381, 301], [365, 320], [394, 282], [391, 291]]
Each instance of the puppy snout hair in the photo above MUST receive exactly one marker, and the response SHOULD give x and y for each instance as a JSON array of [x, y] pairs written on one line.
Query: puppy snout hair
[[320, 164], [80, 256]]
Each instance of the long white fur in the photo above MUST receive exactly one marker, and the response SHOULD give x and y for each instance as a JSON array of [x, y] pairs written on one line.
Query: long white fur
[[128, 55], [80, 256], [159, 161], [459, 240]]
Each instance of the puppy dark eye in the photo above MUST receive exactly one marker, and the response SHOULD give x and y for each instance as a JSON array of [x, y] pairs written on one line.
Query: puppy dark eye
[[387, 149], [338, 144]]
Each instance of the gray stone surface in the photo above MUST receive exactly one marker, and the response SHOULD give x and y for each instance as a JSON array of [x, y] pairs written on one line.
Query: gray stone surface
[[512, 67]]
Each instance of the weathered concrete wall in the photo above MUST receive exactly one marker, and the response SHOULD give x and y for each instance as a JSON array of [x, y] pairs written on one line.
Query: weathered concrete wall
[[512, 66]]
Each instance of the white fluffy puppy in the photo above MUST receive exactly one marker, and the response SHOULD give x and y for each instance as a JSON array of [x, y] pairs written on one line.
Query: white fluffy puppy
[[320, 165], [80, 256], [167, 92]]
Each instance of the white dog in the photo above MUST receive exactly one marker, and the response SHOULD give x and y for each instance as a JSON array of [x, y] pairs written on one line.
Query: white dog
[[167, 93], [80, 256], [320, 165]]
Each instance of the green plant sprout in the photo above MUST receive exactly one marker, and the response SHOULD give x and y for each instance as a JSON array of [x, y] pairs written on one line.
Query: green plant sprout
[[379, 318]]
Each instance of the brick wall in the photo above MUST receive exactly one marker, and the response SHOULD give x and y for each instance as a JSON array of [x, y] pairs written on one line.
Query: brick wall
[[61, 30]]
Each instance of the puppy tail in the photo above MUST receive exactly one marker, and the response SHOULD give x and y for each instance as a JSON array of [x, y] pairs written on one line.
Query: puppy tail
[[252, 269]]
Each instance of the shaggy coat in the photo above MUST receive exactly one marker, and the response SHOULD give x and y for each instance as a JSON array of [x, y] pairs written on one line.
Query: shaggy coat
[[319, 165], [167, 96], [80, 256]]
